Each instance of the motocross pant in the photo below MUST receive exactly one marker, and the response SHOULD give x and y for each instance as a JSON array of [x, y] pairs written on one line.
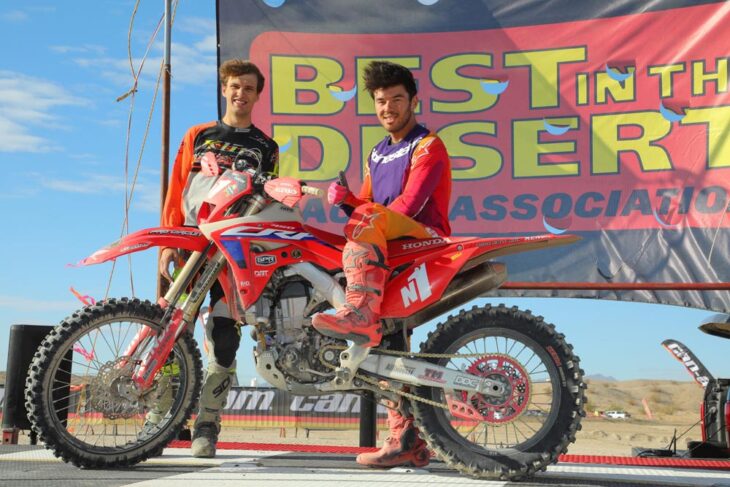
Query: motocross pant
[[364, 262], [371, 225], [375, 224]]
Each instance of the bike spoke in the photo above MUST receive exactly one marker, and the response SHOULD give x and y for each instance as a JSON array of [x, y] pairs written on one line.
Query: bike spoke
[[87, 397], [527, 379]]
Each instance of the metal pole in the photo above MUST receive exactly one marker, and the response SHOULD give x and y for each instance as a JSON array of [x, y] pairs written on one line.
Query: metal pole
[[368, 417], [166, 74], [164, 167]]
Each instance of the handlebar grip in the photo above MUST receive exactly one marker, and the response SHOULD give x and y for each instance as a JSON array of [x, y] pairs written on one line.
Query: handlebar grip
[[313, 191]]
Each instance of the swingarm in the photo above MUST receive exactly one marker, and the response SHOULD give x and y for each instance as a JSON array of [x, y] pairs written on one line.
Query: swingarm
[[390, 366], [421, 373]]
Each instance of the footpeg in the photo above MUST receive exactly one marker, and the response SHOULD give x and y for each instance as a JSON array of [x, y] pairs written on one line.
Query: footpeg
[[350, 360]]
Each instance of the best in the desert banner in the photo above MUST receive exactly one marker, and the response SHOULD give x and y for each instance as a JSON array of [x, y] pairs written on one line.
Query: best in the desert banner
[[607, 120]]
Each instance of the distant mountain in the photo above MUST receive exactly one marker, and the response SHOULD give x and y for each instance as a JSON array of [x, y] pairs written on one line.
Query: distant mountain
[[601, 377]]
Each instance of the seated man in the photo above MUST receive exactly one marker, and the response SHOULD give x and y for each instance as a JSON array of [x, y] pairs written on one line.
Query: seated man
[[405, 193]]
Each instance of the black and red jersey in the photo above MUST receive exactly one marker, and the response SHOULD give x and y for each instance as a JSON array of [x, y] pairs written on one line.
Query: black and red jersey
[[189, 186]]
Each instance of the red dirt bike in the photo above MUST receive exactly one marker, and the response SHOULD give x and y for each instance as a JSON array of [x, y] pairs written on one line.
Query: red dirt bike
[[495, 391]]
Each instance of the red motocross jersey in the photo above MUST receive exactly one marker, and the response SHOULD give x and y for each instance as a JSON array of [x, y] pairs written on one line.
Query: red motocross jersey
[[412, 177]]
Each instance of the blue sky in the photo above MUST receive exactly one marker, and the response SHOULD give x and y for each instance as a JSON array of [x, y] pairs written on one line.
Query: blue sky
[[62, 195]]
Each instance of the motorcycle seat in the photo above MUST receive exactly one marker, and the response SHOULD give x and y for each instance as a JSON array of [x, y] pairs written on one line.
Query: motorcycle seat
[[332, 239]]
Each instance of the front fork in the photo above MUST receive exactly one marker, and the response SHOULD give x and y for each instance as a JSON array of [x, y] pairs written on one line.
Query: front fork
[[176, 317]]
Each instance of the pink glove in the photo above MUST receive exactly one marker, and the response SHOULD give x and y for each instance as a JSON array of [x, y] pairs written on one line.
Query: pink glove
[[337, 193]]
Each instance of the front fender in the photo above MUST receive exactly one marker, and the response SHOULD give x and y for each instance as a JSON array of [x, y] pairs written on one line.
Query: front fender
[[187, 238]]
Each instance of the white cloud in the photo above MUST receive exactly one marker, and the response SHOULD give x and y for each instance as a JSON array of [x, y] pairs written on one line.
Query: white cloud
[[146, 195], [112, 122], [208, 44], [147, 198], [16, 138], [83, 156], [21, 15], [19, 193], [15, 16], [43, 9], [93, 184], [86, 48], [20, 304], [27, 107], [196, 25], [194, 59], [194, 65]]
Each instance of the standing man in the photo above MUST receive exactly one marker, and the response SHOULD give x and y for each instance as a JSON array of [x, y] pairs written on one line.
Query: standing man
[[405, 193], [233, 138]]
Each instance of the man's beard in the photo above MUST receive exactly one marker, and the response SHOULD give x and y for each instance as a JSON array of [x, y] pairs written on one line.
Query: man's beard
[[400, 126]]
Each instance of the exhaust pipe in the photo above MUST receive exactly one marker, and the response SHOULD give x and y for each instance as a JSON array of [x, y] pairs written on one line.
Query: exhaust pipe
[[466, 286]]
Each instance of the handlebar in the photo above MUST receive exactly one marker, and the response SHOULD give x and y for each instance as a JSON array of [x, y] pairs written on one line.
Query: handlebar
[[313, 191]]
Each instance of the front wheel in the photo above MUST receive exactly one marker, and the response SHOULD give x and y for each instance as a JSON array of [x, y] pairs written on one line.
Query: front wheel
[[539, 413], [80, 397]]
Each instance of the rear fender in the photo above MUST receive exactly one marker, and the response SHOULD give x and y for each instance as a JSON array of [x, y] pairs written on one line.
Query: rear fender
[[423, 283], [430, 272], [187, 238]]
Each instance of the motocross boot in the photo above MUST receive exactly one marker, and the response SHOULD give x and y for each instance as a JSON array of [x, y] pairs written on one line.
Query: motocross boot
[[162, 399], [403, 447], [359, 319], [213, 398], [162, 402]]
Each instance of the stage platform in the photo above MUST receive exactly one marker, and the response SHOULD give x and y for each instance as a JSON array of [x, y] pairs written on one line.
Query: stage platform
[[33, 466]]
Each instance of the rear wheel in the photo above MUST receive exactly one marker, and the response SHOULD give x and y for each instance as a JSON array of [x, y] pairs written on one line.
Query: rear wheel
[[80, 397], [512, 436]]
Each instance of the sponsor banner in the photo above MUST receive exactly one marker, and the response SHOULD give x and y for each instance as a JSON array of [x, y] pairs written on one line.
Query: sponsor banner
[[694, 366], [261, 402], [586, 119], [269, 407]]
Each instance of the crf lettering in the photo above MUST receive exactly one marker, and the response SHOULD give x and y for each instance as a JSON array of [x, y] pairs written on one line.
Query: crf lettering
[[266, 232]]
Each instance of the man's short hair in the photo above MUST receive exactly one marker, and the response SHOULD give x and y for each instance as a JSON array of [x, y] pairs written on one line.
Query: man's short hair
[[239, 67], [384, 74]]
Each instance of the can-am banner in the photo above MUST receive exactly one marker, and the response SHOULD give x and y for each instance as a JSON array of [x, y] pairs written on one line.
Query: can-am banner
[[266, 407], [609, 120], [269, 407]]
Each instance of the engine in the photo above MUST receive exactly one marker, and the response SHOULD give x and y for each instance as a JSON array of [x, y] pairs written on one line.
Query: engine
[[290, 304], [303, 359]]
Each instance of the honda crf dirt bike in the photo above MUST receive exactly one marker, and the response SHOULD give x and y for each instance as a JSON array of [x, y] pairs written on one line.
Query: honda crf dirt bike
[[495, 391]]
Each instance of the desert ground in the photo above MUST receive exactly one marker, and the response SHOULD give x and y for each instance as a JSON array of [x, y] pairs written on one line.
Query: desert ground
[[674, 406]]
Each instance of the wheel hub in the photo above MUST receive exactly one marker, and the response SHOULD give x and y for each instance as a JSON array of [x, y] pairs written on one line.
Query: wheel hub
[[112, 392], [507, 371]]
